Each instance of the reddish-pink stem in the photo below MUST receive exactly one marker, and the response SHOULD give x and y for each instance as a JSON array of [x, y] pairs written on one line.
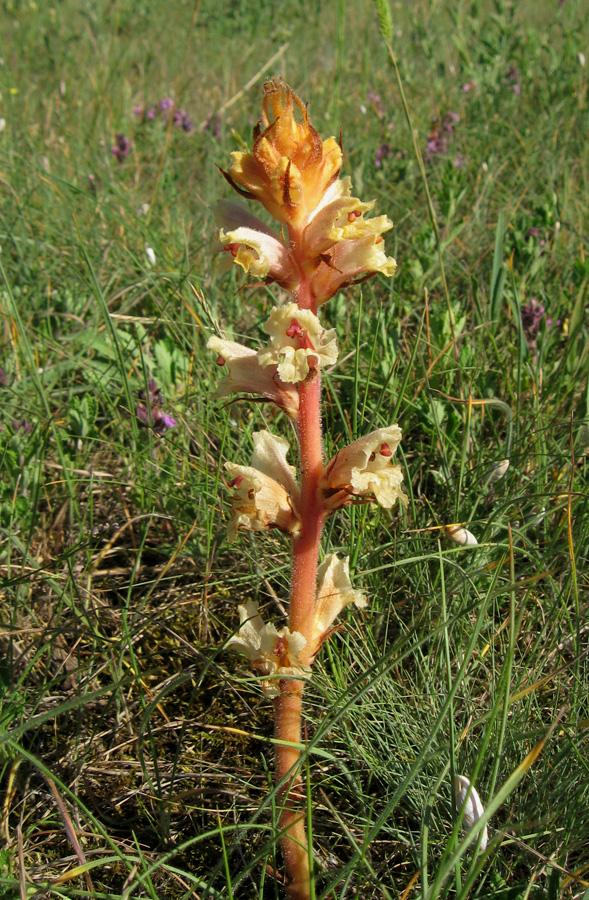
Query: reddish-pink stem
[[287, 707]]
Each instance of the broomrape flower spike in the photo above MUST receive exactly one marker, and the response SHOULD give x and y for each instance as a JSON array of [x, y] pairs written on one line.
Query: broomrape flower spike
[[324, 241]]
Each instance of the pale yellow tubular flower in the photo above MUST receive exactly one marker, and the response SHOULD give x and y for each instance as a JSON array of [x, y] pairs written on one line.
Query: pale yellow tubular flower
[[298, 343], [246, 375], [341, 218], [271, 652], [363, 469], [347, 261], [473, 810], [254, 246], [334, 593], [265, 497], [290, 167]]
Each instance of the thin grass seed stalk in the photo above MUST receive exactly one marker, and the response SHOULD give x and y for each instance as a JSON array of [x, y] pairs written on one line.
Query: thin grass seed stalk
[[323, 243]]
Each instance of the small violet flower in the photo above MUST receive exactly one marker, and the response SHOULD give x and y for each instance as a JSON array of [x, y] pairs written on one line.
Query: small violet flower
[[212, 123], [377, 104], [382, 152], [532, 314], [122, 148], [151, 413], [22, 425], [512, 79], [441, 135]]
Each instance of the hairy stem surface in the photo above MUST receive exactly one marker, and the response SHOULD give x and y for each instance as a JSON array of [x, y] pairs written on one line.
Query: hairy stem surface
[[287, 707]]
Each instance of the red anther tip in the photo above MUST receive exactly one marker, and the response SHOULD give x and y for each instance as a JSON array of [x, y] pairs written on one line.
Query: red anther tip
[[385, 450], [235, 482], [233, 249], [220, 360], [353, 215]]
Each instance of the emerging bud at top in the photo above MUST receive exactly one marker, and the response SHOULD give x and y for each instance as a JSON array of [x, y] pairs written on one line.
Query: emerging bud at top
[[269, 650], [473, 810], [290, 167], [364, 468], [266, 493], [298, 343], [245, 374], [334, 594]]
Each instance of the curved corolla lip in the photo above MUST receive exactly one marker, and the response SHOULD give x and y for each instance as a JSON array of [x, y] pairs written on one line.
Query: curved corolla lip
[[254, 246]]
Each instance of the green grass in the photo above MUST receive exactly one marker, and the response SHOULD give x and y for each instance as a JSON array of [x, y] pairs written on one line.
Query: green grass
[[118, 588]]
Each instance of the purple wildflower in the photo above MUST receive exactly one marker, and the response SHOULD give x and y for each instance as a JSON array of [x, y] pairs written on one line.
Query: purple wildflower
[[377, 103], [182, 120], [459, 161], [469, 86], [441, 134], [512, 79], [381, 153], [3, 378], [212, 123], [151, 112], [152, 413], [166, 104], [138, 111], [22, 425], [532, 314], [122, 147], [535, 233]]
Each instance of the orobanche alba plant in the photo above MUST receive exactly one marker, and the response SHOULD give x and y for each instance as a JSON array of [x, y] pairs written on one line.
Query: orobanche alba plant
[[324, 242]]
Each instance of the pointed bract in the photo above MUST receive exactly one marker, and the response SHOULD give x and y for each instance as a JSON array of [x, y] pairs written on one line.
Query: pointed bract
[[334, 593]]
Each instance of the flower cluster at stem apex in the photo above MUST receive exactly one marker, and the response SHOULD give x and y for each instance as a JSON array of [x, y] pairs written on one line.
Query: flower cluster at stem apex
[[294, 174]]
